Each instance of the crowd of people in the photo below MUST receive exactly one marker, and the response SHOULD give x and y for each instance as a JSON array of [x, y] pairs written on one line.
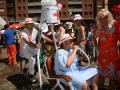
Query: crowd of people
[[100, 40]]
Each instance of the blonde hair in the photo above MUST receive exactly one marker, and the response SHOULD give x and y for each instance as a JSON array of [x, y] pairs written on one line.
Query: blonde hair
[[103, 13]]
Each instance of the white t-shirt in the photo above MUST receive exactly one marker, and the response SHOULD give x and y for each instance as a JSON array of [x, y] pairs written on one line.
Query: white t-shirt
[[24, 47]]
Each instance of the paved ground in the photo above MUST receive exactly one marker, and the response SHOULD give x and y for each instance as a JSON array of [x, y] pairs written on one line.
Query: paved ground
[[8, 75], [11, 77]]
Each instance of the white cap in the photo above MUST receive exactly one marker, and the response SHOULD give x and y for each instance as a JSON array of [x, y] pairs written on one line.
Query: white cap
[[28, 20], [77, 17]]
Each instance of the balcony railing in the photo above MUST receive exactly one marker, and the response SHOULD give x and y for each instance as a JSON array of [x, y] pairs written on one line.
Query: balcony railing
[[75, 10], [75, 2], [34, 4], [1, 2], [34, 11]]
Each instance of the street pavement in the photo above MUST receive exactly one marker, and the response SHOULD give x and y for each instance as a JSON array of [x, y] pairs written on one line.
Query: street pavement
[[8, 75], [11, 77]]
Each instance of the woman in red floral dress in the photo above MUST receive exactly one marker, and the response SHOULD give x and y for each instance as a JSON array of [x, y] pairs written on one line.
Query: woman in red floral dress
[[108, 34]]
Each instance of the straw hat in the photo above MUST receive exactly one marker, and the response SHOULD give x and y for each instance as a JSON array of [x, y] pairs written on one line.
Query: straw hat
[[64, 38], [27, 21], [77, 17]]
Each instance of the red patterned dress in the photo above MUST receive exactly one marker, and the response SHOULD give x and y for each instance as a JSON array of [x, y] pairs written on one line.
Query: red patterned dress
[[117, 27], [108, 57]]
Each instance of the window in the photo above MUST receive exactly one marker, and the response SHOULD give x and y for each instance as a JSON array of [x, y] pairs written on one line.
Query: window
[[85, 5], [19, 0], [90, 13], [86, 13], [24, 8], [20, 15], [90, 5], [19, 8], [24, 15], [64, 6]]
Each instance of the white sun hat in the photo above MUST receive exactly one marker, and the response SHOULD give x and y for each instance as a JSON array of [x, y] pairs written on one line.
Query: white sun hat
[[64, 38], [28, 20], [77, 17]]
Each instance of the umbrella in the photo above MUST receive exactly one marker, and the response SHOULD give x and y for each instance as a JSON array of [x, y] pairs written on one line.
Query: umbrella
[[16, 25]]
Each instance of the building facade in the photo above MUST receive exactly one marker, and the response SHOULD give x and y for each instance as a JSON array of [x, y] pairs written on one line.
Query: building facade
[[87, 8], [20, 9], [14, 10], [3, 11], [83, 7], [34, 9]]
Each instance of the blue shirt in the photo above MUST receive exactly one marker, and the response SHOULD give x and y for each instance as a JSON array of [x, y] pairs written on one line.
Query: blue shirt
[[9, 35], [61, 60]]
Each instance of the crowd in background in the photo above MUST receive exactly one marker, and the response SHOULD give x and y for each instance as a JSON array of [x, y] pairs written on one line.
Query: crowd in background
[[100, 41]]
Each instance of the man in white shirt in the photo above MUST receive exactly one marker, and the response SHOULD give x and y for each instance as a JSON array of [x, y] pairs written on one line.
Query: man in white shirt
[[28, 47]]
